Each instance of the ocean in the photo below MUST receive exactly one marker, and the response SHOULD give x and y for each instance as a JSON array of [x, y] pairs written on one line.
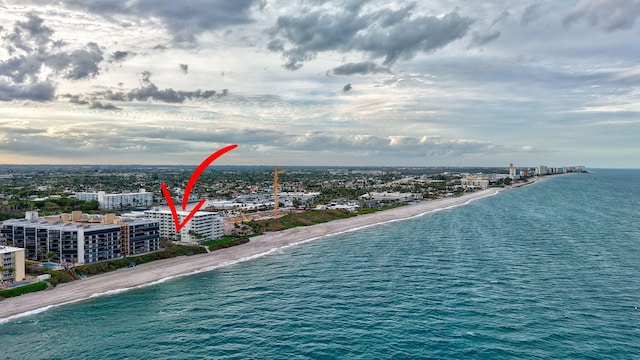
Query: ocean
[[550, 270]]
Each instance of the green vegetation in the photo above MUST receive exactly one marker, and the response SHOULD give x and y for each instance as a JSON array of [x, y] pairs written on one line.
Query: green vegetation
[[338, 193], [372, 210], [304, 218], [225, 242], [57, 276], [195, 234], [23, 290], [169, 252]]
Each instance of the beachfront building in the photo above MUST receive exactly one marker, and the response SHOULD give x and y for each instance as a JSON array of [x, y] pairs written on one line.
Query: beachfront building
[[474, 182], [203, 226], [117, 201], [80, 238], [11, 264], [542, 170]]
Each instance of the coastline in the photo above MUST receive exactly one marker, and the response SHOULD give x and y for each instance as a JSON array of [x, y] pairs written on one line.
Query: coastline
[[162, 270]]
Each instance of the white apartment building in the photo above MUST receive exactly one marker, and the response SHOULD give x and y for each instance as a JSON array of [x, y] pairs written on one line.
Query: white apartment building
[[542, 170], [203, 226], [12, 262], [118, 201], [86, 196]]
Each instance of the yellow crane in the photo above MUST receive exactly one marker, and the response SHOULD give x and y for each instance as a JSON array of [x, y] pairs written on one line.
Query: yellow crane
[[245, 220], [275, 191]]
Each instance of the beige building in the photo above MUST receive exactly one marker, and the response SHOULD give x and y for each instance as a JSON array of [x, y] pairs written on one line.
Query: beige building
[[12, 264], [473, 182]]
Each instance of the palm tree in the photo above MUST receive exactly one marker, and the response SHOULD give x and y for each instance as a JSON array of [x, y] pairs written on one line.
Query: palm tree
[[51, 255], [41, 253]]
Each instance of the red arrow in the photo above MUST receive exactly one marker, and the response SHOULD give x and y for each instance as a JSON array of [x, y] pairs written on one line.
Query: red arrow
[[192, 181]]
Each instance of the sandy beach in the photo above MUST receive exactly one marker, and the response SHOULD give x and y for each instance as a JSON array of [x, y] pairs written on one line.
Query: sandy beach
[[162, 270]]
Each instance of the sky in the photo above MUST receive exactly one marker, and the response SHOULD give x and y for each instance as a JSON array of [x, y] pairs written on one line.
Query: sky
[[330, 83]]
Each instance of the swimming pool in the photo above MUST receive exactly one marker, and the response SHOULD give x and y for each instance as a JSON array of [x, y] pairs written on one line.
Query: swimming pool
[[18, 285]]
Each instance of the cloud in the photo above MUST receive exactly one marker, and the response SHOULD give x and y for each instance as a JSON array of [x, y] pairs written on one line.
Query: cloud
[[531, 13], [398, 145], [502, 17], [39, 91], [36, 58], [28, 35], [346, 88], [184, 68], [478, 40], [78, 64], [363, 68], [75, 99], [392, 35], [607, 15], [149, 91], [183, 19], [101, 106], [120, 55]]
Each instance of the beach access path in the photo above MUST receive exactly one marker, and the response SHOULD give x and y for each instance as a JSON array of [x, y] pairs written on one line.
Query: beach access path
[[161, 270]]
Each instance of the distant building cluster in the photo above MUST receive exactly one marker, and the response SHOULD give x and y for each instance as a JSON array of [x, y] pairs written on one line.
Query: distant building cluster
[[117, 201], [80, 238], [548, 170]]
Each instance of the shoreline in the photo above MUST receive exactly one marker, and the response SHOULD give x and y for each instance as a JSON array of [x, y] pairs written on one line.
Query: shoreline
[[163, 270]]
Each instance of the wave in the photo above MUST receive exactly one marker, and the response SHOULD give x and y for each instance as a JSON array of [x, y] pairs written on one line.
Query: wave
[[243, 259]]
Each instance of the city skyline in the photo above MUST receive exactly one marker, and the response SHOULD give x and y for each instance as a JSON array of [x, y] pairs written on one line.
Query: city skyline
[[339, 83]]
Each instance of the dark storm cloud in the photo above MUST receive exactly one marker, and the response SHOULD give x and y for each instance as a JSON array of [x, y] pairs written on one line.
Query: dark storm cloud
[[34, 54], [183, 19], [184, 68], [478, 40], [607, 15], [363, 68], [149, 91], [392, 35]]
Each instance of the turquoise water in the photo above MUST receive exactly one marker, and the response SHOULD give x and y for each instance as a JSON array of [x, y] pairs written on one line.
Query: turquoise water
[[551, 270]]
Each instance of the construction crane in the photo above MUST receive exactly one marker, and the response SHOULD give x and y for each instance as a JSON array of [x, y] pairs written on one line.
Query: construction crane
[[275, 191], [245, 220]]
